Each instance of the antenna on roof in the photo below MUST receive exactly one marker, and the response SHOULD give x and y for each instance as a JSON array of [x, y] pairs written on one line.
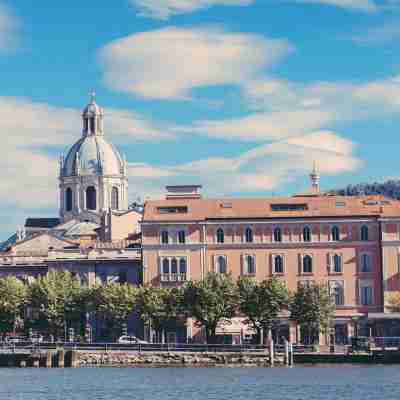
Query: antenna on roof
[[315, 179]]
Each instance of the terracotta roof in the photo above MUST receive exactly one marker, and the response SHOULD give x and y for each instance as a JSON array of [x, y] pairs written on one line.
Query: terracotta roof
[[303, 206]]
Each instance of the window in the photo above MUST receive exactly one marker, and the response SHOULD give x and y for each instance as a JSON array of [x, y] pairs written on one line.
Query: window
[[366, 263], [289, 207], [336, 264], [336, 290], [249, 265], [335, 234], [173, 210], [174, 266], [92, 125], [164, 237], [306, 234], [249, 235], [114, 199], [366, 295], [307, 265], [91, 201], [165, 266], [364, 233], [221, 266], [182, 237], [182, 266], [220, 235], [277, 235], [278, 264], [68, 199]]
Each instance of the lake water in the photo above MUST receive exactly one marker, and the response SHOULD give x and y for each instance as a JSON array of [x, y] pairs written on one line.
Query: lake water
[[299, 383]]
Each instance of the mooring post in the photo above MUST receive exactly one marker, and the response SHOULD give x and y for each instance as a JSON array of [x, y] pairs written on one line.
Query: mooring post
[[271, 353], [287, 361], [291, 357]]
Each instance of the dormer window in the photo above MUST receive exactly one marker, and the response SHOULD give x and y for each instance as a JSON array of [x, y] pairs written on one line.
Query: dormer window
[[277, 235], [249, 235], [335, 234], [220, 235], [164, 237]]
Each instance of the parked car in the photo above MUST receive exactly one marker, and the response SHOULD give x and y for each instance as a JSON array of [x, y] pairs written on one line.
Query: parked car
[[126, 339]]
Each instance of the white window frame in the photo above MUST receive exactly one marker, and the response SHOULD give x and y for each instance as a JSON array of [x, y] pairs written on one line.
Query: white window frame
[[331, 265], [216, 257], [245, 265], [273, 257]]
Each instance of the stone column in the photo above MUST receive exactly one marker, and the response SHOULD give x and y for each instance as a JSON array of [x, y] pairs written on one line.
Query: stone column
[[293, 332]]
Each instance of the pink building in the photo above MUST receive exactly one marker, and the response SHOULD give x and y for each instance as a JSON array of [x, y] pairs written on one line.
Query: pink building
[[350, 243]]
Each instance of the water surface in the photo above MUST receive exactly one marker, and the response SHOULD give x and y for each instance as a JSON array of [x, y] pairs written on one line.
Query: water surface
[[299, 383]]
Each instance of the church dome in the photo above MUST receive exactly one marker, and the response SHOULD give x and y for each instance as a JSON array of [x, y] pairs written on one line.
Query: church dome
[[93, 155]]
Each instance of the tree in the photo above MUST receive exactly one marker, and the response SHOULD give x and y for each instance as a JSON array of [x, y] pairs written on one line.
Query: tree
[[13, 297], [262, 303], [159, 306], [312, 308], [114, 303], [211, 301], [55, 300], [394, 302]]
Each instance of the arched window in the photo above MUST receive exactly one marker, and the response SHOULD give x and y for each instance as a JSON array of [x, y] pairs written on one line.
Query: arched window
[[182, 237], [335, 234], [337, 292], [278, 265], [277, 235], [220, 235], [165, 266], [182, 266], [249, 235], [251, 265], [364, 233], [307, 265], [68, 199], [222, 267], [174, 266], [306, 234], [91, 201], [114, 199], [164, 237], [337, 264]]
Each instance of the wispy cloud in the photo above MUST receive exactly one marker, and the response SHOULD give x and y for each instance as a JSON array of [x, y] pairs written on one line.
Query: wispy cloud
[[163, 9], [170, 62], [9, 25], [261, 169]]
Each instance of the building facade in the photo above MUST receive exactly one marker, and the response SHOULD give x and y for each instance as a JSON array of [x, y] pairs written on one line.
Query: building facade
[[349, 243]]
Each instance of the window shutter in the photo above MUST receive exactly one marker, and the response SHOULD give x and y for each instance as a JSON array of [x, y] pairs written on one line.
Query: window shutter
[[242, 265], [300, 264], [329, 262]]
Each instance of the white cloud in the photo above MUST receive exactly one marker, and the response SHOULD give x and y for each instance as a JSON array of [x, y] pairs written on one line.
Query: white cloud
[[368, 6], [261, 169], [170, 62], [8, 28], [163, 9]]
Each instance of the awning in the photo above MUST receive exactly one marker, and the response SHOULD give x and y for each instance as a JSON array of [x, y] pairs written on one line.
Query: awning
[[236, 327]]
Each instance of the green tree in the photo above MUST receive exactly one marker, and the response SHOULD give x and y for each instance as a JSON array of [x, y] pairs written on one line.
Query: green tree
[[56, 301], [313, 309], [262, 303], [211, 301], [13, 298], [394, 302], [114, 303], [158, 307]]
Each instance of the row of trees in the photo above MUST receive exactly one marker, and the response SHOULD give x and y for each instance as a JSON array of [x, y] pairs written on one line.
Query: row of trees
[[57, 300]]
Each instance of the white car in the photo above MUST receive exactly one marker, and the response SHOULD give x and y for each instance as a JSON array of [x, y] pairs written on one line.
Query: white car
[[130, 340], [15, 339], [36, 338]]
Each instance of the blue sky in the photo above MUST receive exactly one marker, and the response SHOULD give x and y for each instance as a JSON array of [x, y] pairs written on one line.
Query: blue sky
[[238, 95]]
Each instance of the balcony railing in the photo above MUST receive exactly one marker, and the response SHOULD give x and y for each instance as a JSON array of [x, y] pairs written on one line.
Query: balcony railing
[[173, 277]]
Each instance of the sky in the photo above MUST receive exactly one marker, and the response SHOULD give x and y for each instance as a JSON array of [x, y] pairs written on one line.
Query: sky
[[240, 96]]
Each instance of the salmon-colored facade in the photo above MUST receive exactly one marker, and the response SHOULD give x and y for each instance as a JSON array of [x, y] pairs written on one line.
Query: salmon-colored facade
[[350, 243]]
